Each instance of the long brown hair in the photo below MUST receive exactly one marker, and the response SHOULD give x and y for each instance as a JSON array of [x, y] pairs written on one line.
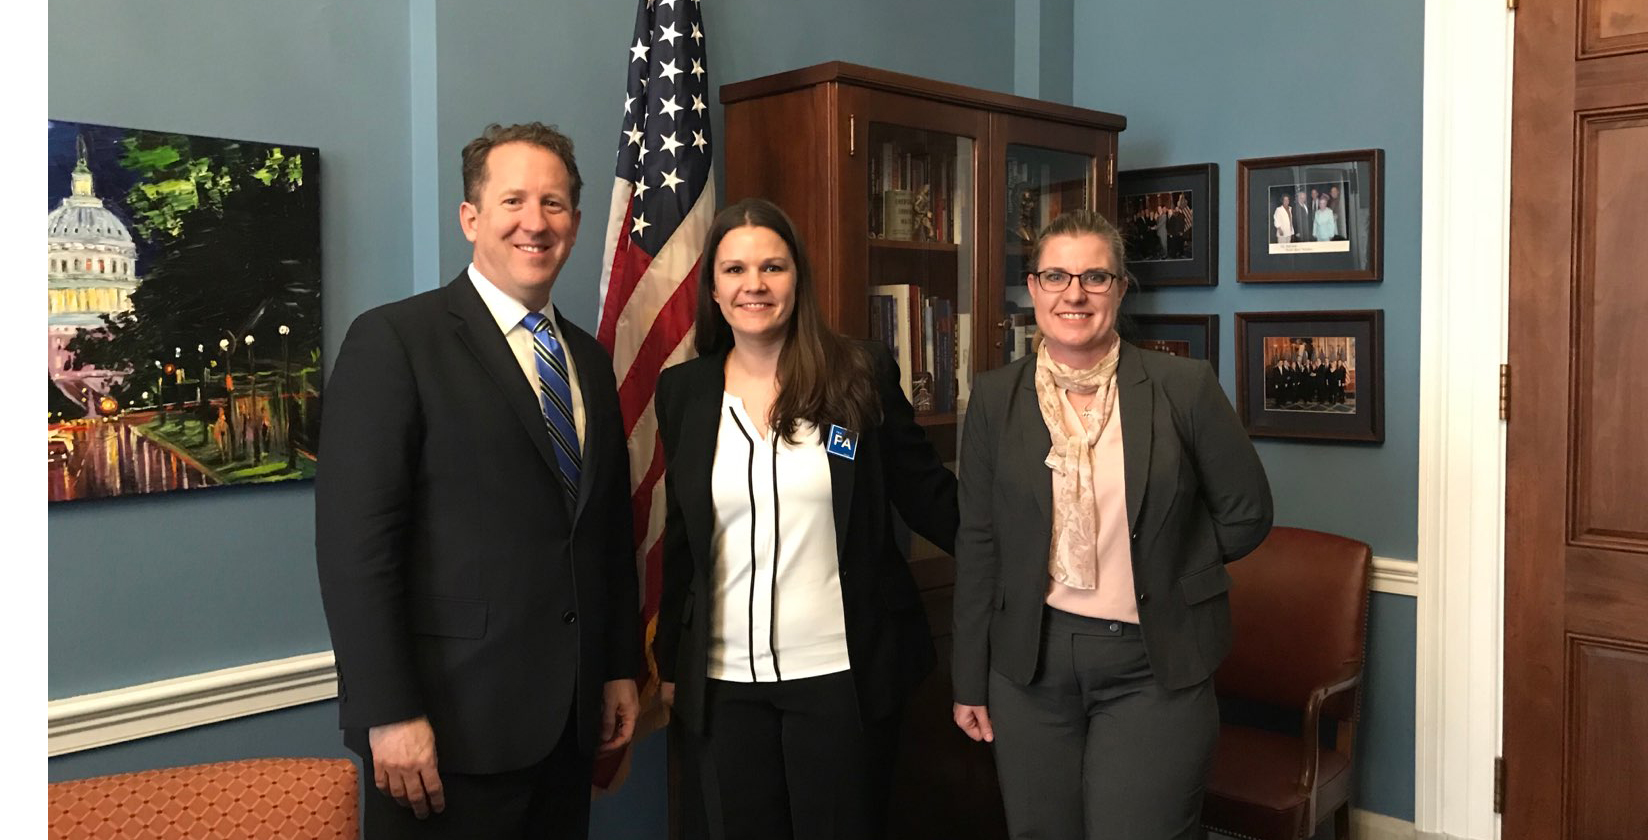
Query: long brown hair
[[822, 377]]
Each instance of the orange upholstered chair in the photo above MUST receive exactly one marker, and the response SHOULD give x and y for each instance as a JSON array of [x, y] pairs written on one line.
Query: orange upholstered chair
[[1299, 611], [308, 798]]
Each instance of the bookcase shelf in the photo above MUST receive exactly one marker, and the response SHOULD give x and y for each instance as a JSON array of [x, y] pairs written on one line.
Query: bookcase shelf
[[912, 245], [947, 418]]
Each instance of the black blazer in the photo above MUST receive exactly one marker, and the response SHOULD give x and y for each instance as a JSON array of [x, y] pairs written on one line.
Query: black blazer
[[888, 641], [1197, 498], [457, 580]]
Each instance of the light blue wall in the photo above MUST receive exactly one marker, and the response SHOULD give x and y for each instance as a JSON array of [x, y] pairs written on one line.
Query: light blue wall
[[573, 76], [149, 588], [144, 589], [1219, 82]]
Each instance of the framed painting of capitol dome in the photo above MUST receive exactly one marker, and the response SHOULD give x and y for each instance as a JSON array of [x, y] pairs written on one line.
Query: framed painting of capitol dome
[[183, 318]]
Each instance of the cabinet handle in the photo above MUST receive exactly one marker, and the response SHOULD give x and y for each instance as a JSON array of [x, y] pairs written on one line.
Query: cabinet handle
[[852, 135], [1006, 324]]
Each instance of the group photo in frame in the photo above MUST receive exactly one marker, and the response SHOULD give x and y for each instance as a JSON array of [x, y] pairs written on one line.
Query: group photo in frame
[[1311, 375], [1169, 219], [1188, 336], [1307, 218]]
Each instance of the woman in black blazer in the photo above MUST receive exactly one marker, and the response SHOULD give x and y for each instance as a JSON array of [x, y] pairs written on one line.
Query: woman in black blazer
[[1103, 488], [790, 630]]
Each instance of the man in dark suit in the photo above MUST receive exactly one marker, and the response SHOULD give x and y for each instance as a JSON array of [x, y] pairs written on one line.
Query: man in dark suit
[[1301, 218], [473, 530]]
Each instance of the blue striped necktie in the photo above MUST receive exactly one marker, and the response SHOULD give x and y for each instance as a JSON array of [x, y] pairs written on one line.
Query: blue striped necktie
[[555, 398]]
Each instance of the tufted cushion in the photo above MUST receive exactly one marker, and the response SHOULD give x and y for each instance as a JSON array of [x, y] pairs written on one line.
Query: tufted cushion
[[258, 798]]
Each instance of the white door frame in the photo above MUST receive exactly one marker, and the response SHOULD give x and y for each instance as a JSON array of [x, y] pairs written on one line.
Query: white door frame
[[1465, 244]]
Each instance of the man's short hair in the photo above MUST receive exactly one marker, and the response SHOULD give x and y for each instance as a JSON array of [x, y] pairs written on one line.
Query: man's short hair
[[545, 137]]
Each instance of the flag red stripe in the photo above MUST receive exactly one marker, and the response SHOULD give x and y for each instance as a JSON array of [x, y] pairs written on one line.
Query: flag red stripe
[[641, 501], [629, 263], [668, 328]]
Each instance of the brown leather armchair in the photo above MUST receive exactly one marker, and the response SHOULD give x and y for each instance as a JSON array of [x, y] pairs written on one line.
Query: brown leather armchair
[[1299, 609], [254, 799]]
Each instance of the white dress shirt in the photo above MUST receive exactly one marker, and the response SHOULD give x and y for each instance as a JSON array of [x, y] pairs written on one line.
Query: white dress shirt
[[777, 612], [508, 312]]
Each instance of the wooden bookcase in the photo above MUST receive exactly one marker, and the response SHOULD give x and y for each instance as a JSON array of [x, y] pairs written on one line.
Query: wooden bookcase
[[829, 143]]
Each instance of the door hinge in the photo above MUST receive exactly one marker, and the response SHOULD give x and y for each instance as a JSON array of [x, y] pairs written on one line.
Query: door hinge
[[1510, 4], [1504, 392], [852, 134], [1499, 784]]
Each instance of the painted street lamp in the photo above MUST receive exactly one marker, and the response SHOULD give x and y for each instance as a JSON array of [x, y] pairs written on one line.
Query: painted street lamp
[[160, 389], [254, 422], [229, 393], [285, 401]]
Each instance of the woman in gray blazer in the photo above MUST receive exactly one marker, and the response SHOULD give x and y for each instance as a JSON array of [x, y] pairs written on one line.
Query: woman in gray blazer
[[1103, 488]]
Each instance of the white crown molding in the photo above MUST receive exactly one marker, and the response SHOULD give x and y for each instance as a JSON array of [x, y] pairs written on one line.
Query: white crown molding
[[125, 714], [1464, 283], [1395, 577]]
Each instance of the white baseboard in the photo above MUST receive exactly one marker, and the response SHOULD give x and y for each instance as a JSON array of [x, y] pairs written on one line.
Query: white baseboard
[[1366, 825], [1395, 577], [125, 714]]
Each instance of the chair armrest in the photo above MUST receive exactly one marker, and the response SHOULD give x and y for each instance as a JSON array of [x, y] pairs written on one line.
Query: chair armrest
[[1310, 736]]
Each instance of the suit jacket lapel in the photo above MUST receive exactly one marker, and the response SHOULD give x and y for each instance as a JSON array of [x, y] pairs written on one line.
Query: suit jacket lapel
[[479, 332], [1137, 400], [700, 421], [1034, 442]]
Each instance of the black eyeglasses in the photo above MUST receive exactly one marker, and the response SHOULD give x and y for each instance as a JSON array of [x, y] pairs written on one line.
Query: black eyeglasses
[[1097, 281]]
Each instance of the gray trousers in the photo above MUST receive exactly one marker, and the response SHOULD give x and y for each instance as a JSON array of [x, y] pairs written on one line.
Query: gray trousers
[[1093, 748]]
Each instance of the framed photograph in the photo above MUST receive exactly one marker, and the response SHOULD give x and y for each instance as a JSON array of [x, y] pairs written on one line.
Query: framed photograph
[[1190, 336], [1311, 375], [1310, 217], [1169, 218]]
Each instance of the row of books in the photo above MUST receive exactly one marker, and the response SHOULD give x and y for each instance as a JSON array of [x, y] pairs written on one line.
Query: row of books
[[914, 196], [931, 342]]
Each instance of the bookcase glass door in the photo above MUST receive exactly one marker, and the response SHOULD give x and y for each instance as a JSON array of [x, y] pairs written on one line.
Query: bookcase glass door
[[1041, 184], [919, 291]]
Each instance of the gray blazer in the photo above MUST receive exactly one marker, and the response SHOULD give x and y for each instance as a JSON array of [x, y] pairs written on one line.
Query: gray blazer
[[1197, 498]]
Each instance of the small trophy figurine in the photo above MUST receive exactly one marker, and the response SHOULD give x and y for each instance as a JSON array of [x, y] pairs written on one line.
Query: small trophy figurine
[[922, 207], [1028, 207]]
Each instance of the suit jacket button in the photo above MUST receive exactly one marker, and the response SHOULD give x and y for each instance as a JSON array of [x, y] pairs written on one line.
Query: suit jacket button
[[569, 617], [1143, 597]]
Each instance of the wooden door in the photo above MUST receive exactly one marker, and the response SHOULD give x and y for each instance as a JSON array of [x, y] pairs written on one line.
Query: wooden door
[[1576, 574]]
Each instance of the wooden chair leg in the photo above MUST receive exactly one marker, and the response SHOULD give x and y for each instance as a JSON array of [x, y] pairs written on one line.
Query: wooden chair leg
[[1341, 822]]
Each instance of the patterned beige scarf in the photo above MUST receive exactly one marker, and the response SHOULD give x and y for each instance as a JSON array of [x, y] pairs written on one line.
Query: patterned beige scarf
[[1074, 558]]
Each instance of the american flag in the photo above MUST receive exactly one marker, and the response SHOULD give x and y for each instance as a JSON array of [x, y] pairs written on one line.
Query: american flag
[[663, 199]]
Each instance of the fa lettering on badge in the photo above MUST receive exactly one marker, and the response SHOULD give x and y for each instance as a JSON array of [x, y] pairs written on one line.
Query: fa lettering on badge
[[842, 443]]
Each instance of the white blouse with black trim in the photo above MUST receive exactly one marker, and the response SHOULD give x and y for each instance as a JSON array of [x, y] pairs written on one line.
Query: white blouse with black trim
[[777, 611]]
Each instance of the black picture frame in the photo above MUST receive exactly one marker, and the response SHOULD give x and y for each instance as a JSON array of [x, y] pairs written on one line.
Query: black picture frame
[[1346, 244], [1281, 390], [1191, 336], [1181, 247]]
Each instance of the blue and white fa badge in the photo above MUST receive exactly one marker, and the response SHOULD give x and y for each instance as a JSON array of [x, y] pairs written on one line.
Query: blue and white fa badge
[[843, 443]]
